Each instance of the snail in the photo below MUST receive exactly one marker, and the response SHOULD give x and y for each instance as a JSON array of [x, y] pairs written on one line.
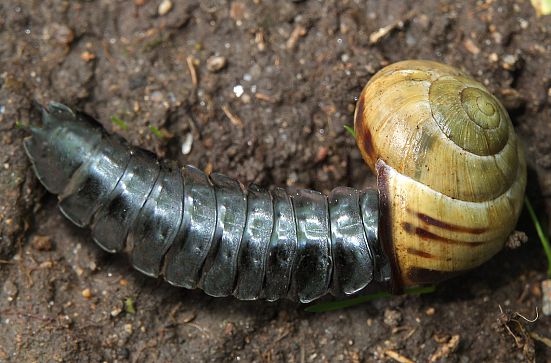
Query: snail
[[450, 175], [450, 171]]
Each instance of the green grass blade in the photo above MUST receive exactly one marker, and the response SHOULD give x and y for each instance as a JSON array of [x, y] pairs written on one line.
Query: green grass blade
[[350, 130], [541, 234], [120, 123], [20, 125], [342, 304], [129, 306], [156, 131]]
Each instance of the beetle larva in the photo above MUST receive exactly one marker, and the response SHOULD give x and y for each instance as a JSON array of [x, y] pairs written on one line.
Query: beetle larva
[[450, 174], [204, 231]]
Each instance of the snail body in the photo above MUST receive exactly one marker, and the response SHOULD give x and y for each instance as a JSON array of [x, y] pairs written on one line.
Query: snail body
[[423, 223]]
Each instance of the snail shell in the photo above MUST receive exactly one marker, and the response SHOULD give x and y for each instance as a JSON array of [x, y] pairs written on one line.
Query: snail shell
[[450, 170]]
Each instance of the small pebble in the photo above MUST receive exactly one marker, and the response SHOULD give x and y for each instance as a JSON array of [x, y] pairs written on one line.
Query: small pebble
[[238, 11], [128, 328], [246, 98], [430, 311], [471, 46], [509, 62], [516, 238], [10, 289], [535, 290], [42, 243], [392, 317], [497, 37], [123, 353], [156, 96], [46, 264], [208, 169], [546, 290], [116, 311], [208, 143], [186, 317], [322, 154], [87, 56], [216, 63], [238, 90], [87, 293], [187, 144], [62, 34], [229, 329], [164, 7]]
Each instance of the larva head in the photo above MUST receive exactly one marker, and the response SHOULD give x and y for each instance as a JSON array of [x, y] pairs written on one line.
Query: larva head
[[58, 147], [450, 171]]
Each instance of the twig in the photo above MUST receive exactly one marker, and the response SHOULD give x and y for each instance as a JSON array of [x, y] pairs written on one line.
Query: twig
[[298, 32], [382, 32], [265, 97], [192, 71], [398, 357], [528, 320], [541, 338], [233, 118]]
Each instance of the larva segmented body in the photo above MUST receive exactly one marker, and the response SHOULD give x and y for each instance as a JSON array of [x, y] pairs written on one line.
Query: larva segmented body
[[206, 231]]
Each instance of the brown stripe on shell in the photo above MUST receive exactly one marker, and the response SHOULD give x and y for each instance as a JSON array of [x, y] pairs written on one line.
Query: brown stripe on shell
[[416, 252], [385, 228], [444, 225], [359, 111], [424, 234], [362, 133], [419, 275]]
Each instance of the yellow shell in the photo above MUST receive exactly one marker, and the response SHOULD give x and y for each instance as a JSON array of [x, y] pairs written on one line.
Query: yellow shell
[[450, 170]]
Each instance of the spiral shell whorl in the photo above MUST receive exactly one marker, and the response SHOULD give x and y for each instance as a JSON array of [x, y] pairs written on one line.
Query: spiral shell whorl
[[450, 171], [421, 122]]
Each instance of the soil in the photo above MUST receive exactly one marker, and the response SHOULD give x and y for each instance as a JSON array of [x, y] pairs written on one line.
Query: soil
[[273, 114]]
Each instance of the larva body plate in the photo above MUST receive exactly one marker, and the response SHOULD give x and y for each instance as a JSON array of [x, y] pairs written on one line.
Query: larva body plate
[[158, 222]]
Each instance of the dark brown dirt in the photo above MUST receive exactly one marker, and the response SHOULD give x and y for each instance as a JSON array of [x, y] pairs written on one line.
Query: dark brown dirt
[[301, 65]]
